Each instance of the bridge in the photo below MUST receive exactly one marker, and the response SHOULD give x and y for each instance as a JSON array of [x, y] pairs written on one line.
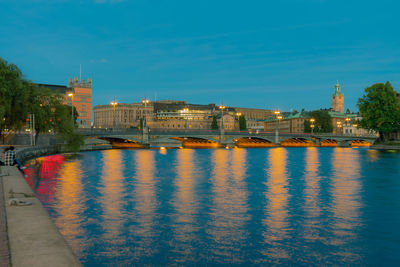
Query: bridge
[[131, 138]]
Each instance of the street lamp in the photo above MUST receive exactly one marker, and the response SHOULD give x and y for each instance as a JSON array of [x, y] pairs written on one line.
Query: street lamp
[[238, 114], [114, 103], [71, 95], [355, 127], [222, 108], [339, 125], [145, 102], [185, 112], [347, 124], [278, 118], [312, 120]]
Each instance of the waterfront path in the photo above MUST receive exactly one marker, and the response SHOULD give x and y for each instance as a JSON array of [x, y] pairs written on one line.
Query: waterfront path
[[33, 238], [4, 251]]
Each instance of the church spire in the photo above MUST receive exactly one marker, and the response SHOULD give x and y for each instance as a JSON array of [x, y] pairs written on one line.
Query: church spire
[[337, 88]]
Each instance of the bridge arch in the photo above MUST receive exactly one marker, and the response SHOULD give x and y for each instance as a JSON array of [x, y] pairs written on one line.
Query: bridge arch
[[117, 142], [253, 142], [196, 142], [329, 142], [360, 142], [297, 142]]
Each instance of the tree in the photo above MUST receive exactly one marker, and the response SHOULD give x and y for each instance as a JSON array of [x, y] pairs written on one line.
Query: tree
[[323, 122], [19, 97], [242, 123], [14, 99], [214, 123], [380, 110]]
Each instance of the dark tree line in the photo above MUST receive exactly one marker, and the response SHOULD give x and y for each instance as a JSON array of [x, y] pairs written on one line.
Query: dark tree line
[[19, 98]]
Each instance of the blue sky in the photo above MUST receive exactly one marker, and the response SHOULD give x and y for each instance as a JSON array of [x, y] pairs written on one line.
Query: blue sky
[[264, 54]]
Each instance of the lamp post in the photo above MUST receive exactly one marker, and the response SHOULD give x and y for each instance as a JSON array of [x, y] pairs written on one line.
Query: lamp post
[[238, 114], [339, 125], [355, 127], [222, 108], [347, 124], [185, 112], [312, 120], [71, 95], [145, 102], [278, 118], [114, 103]]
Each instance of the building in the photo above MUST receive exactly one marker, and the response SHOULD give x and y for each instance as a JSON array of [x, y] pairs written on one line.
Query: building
[[79, 94], [290, 123], [337, 100], [121, 115], [82, 100], [254, 117], [228, 121], [172, 114]]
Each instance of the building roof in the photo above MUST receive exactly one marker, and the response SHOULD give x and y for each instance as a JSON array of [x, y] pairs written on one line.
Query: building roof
[[335, 114], [61, 89]]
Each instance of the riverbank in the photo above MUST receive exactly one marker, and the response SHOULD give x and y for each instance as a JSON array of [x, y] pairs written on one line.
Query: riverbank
[[28, 236], [385, 147], [33, 238]]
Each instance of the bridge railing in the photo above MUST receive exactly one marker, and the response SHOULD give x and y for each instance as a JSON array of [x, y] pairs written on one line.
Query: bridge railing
[[161, 131]]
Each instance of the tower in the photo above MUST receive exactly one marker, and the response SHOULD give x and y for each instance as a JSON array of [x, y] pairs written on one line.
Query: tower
[[82, 100], [337, 99]]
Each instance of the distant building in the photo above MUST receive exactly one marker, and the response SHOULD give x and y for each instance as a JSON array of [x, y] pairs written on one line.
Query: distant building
[[172, 114], [290, 123], [122, 116], [254, 117], [337, 100]]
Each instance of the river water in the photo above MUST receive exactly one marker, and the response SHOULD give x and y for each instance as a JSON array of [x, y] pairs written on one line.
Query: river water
[[304, 206]]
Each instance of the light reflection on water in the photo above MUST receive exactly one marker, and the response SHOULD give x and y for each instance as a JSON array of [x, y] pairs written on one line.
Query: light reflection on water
[[239, 206]]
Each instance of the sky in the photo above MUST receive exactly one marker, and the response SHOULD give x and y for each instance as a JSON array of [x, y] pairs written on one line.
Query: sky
[[283, 55]]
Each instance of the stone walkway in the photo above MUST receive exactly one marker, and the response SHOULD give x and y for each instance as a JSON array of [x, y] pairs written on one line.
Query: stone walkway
[[4, 248]]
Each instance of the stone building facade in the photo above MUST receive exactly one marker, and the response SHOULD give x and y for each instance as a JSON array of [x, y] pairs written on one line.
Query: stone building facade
[[290, 123], [122, 116]]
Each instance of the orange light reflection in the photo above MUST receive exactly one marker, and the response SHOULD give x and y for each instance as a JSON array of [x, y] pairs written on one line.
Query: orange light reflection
[[229, 213], [346, 202], [145, 202], [276, 221], [112, 193], [70, 204]]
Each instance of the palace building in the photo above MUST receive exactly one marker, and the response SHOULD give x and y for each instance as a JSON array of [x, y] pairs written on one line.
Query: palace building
[[121, 115]]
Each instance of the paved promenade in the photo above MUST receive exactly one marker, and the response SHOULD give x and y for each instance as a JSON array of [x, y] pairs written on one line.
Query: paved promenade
[[33, 238], [4, 251]]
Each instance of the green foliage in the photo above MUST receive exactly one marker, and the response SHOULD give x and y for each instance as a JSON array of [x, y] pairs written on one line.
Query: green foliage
[[380, 109], [19, 97], [242, 123], [13, 97], [214, 123], [323, 122]]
